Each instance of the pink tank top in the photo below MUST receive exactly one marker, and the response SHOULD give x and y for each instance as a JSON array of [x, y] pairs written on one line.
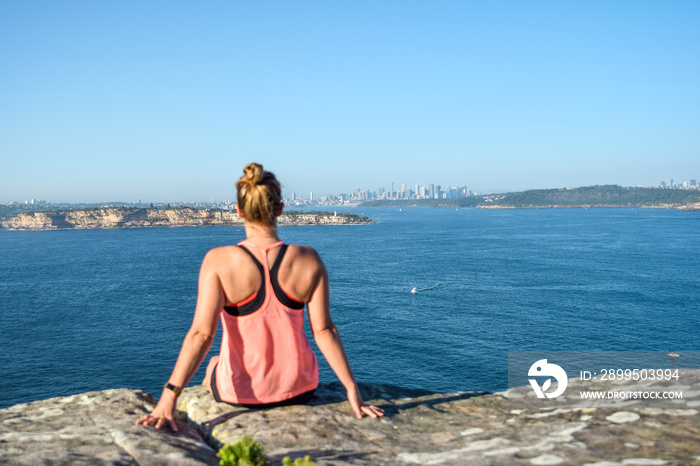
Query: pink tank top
[[265, 356]]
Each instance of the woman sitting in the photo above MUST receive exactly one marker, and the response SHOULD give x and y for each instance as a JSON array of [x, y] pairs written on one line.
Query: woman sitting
[[258, 289]]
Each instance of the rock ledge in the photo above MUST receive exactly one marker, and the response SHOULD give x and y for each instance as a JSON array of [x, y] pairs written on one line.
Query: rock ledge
[[420, 427]]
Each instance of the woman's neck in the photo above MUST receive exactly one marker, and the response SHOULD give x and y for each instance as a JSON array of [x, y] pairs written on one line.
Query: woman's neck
[[263, 234]]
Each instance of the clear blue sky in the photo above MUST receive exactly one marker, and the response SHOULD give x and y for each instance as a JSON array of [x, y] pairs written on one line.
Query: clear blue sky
[[167, 101]]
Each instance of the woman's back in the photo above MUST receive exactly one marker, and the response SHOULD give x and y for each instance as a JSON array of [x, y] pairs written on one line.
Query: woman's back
[[265, 356], [298, 273]]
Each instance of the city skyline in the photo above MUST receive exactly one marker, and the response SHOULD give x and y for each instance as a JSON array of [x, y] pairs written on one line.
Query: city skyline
[[430, 190], [129, 100]]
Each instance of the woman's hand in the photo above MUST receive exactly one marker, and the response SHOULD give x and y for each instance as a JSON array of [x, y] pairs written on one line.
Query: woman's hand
[[162, 414], [359, 407]]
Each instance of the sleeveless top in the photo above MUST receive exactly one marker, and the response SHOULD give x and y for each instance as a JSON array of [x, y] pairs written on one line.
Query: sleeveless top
[[265, 356]]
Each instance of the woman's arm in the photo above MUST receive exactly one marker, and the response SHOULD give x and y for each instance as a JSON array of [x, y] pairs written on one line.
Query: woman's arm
[[328, 340], [210, 300]]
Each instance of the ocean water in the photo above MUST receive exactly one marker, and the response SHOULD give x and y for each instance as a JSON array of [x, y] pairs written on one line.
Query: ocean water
[[95, 309]]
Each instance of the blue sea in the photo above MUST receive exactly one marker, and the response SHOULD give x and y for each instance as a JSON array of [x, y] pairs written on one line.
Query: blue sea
[[95, 309]]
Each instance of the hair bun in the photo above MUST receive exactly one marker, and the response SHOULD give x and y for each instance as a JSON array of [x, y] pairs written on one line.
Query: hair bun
[[259, 195], [253, 172]]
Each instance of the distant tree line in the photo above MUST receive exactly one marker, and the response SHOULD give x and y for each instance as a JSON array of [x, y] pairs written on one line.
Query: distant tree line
[[324, 213], [607, 195]]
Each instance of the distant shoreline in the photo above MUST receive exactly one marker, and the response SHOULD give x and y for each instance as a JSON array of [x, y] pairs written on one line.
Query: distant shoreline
[[586, 197], [131, 217], [583, 206]]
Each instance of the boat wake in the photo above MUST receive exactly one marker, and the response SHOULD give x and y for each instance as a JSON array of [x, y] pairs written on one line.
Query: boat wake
[[415, 290]]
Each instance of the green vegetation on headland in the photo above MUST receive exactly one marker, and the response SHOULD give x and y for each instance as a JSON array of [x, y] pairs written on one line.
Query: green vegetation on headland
[[590, 196], [133, 217]]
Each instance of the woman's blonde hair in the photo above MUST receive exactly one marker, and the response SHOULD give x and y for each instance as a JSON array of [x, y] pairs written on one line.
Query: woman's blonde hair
[[259, 194]]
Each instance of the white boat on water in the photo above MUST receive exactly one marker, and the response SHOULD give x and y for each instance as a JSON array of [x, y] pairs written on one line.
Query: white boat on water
[[673, 355], [414, 290]]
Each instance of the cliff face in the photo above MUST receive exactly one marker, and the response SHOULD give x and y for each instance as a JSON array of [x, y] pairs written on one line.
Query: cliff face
[[693, 206], [420, 427], [143, 218]]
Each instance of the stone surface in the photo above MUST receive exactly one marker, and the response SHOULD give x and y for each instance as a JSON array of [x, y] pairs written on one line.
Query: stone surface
[[95, 428], [463, 428], [460, 428]]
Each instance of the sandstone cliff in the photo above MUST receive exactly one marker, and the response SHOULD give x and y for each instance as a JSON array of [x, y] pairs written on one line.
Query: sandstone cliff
[[115, 217], [463, 428], [693, 206]]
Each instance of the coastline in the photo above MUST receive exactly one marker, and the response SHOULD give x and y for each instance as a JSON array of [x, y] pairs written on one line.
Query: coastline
[[120, 217], [584, 197], [687, 207]]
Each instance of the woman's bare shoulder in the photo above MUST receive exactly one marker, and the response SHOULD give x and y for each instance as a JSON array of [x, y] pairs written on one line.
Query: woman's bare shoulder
[[305, 255], [302, 251], [222, 255]]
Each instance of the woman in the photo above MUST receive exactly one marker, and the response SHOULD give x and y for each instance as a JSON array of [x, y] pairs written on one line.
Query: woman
[[258, 289]]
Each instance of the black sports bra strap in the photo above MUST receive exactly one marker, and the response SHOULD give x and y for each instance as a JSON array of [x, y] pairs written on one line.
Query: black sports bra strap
[[278, 261], [255, 259], [250, 306], [281, 295]]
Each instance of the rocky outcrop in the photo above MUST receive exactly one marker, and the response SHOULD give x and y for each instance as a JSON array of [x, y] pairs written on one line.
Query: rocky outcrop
[[95, 428], [693, 206], [420, 427], [116, 217], [463, 428]]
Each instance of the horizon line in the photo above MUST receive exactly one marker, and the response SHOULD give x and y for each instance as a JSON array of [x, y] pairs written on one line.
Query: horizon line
[[690, 187]]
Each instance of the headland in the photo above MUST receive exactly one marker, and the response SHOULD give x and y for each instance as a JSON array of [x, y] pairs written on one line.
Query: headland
[[131, 217]]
